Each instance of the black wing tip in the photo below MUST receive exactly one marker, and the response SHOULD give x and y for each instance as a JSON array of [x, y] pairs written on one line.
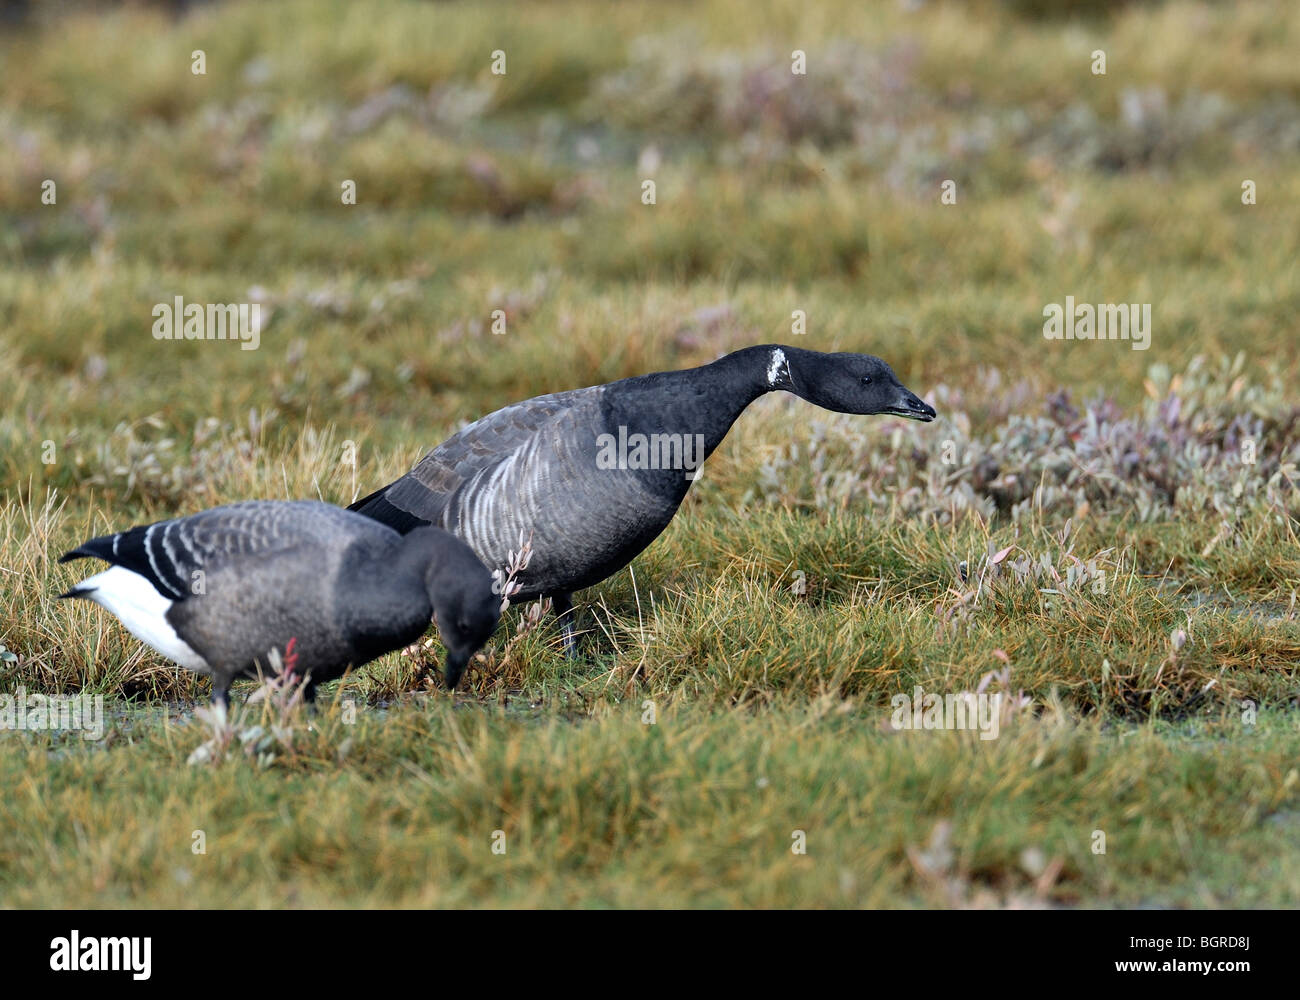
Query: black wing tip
[[359, 505], [379, 508], [84, 551]]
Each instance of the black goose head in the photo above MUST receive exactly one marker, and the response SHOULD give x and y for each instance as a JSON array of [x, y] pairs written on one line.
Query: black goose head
[[845, 383], [463, 632], [465, 606]]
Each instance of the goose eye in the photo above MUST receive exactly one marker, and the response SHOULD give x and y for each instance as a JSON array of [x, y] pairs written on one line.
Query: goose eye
[[866, 379]]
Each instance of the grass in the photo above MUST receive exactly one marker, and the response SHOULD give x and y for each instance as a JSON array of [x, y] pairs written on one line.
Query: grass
[[699, 809], [1111, 532]]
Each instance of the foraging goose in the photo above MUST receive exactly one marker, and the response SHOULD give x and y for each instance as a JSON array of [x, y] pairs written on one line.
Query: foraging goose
[[219, 591], [594, 475]]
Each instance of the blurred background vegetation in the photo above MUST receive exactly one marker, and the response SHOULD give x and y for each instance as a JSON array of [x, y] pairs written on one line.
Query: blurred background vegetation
[[775, 192], [522, 192]]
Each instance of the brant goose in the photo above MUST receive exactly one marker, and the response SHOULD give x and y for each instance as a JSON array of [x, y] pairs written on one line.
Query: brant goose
[[594, 475], [220, 591]]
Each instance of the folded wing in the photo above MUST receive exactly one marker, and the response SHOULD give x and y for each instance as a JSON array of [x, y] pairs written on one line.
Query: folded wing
[[420, 496]]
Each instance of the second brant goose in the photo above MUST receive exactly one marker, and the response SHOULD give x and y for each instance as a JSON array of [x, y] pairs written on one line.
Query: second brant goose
[[592, 476], [218, 592]]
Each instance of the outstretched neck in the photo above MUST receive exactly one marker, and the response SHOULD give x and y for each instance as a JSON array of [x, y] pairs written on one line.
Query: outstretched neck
[[753, 371], [739, 378], [706, 401]]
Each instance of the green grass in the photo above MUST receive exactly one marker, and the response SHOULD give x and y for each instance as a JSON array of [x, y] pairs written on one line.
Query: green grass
[[699, 809], [822, 566]]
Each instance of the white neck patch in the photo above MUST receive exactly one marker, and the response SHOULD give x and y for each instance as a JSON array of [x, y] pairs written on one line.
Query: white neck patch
[[777, 367]]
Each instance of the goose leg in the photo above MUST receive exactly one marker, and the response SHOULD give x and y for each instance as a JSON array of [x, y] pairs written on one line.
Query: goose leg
[[221, 694], [562, 605]]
